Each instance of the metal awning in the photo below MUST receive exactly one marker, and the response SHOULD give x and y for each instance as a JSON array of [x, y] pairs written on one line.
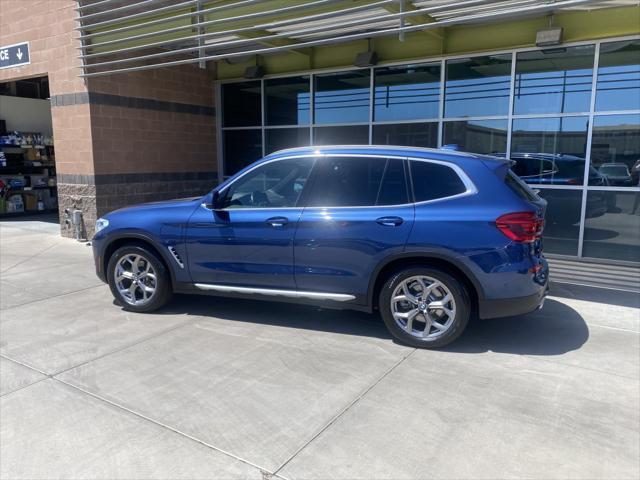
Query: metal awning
[[123, 36]]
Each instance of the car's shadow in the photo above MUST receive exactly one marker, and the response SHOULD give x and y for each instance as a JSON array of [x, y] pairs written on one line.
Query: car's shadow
[[554, 330]]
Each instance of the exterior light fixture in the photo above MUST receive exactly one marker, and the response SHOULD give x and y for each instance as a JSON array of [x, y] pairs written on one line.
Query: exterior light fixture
[[366, 59], [255, 71], [549, 37]]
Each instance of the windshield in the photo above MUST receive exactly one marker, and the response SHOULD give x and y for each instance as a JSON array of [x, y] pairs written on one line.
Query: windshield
[[618, 170]]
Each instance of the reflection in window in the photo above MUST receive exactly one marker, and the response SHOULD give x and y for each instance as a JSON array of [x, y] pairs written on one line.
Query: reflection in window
[[562, 221], [272, 185], [360, 181], [342, 97], [615, 149], [550, 150], [432, 181], [407, 93], [281, 138], [554, 80], [241, 104], [241, 148], [409, 134], [287, 101], [478, 86], [612, 225], [477, 136], [347, 135], [618, 86]]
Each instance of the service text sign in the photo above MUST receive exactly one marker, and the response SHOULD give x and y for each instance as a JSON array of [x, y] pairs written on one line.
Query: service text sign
[[14, 55]]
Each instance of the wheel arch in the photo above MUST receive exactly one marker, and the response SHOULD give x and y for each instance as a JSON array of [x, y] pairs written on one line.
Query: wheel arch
[[141, 240], [413, 259]]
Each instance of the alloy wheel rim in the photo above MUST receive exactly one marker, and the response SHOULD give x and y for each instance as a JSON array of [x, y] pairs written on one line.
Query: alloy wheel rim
[[423, 307], [135, 279]]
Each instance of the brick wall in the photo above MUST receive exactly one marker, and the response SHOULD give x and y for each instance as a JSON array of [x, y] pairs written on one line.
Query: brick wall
[[119, 139]]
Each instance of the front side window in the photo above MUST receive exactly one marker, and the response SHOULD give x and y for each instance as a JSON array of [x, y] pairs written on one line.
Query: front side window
[[432, 181], [277, 184], [359, 182]]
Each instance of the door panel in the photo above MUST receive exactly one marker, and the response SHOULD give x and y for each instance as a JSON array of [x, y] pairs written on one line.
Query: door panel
[[337, 249], [247, 239], [242, 247], [357, 214]]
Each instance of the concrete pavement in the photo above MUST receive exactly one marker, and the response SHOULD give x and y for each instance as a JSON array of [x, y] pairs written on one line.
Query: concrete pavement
[[217, 388]]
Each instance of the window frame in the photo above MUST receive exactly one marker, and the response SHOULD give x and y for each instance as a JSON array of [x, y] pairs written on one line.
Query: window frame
[[225, 188]]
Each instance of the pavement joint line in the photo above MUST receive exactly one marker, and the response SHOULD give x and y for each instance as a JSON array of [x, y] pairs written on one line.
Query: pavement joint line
[[49, 298], [570, 365], [31, 257], [342, 412], [124, 347], [164, 425], [617, 289], [614, 328], [46, 377]]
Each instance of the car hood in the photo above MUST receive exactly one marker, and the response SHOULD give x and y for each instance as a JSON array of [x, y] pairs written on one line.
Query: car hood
[[163, 204]]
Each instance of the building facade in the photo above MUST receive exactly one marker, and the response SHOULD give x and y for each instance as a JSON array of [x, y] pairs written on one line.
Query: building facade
[[144, 128]]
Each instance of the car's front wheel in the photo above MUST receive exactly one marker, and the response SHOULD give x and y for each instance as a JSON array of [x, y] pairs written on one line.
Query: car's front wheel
[[138, 279], [424, 307]]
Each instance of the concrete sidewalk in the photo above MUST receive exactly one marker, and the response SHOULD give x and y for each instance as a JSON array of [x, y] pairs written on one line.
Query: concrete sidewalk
[[217, 388]]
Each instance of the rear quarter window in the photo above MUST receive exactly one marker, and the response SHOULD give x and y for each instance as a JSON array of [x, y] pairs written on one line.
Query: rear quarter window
[[432, 181], [520, 188]]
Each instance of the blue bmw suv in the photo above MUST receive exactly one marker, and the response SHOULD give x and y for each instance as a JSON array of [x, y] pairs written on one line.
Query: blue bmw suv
[[427, 237]]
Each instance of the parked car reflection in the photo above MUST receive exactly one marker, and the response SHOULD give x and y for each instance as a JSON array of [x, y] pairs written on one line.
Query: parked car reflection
[[616, 174], [554, 169]]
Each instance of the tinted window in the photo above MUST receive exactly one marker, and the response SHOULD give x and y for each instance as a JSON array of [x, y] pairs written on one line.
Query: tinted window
[[241, 148], [477, 136], [519, 187], [357, 182], [412, 134], [433, 180], [405, 93], [553, 80], [615, 150], [342, 97], [273, 185], [281, 138], [618, 86], [241, 104], [287, 101], [345, 135], [478, 86]]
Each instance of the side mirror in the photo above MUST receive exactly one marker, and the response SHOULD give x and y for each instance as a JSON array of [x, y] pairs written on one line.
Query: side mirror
[[212, 200]]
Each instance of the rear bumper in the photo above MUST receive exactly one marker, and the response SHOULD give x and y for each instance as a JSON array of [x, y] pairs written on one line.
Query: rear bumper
[[508, 307]]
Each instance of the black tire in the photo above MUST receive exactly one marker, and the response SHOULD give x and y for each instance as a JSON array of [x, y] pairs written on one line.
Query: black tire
[[460, 296], [163, 291]]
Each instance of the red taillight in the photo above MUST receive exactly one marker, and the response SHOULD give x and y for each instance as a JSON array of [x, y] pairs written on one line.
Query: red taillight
[[523, 227]]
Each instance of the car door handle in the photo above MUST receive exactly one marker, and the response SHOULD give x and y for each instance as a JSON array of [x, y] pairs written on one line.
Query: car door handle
[[277, 221], [390, 221]]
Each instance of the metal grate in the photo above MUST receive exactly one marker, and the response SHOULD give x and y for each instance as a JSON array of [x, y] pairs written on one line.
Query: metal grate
[[121, 36]]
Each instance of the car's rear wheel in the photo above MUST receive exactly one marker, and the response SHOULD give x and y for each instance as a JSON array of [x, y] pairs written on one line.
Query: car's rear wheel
[[138, 279], [424, 307]]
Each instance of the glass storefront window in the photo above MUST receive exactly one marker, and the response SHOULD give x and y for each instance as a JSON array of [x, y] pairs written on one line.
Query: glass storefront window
[[615, 149], [281, 138], [612, 226], [562, 221], [554, 80], [550, 150], [241, 147], [287, 101], [477, 86], [346, 135], [410, 134], [241, 103], [477, 136], [407, 93], [342, 97], [618, 86]]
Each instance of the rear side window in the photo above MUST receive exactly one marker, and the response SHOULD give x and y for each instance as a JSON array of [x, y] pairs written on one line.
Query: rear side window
[[358, 182], [433, 180], [519, 187]]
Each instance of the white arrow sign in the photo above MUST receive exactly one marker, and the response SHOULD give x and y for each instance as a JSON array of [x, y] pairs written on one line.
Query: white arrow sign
[[19, 54]]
